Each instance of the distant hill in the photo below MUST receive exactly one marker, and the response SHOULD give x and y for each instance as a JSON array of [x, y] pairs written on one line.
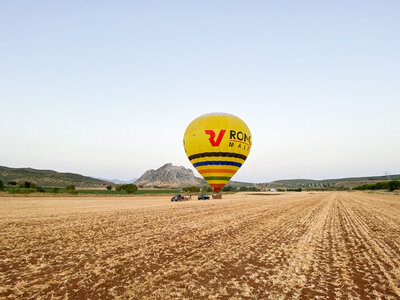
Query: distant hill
[[118, 181], [49, 178], [170, 176], [237, 184], [337, 182]]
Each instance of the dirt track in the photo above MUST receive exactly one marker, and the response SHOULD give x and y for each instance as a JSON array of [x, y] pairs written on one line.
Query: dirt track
[[296, 245]]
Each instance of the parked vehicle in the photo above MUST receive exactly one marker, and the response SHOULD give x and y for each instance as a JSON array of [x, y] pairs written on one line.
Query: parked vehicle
[[180, 197], [177, 197], [203, 197]]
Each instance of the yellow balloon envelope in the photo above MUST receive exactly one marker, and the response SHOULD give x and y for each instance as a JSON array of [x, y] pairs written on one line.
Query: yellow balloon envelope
[[217, 145]]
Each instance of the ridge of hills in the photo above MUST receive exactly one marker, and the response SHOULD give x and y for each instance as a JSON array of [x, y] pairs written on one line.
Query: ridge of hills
[[335, 182], [49, 178], [118, 181], [169, 176]]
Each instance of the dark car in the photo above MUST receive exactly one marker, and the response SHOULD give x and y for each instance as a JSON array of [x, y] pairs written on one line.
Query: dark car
[[177, 197], [203, 197]]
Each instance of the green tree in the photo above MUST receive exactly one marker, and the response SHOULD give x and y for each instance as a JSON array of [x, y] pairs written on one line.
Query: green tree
[[12, 183], [70, 188], [383, 185], [253, 189], [27, 185], [229, 188], [394, 185], [1, 185], [109, 187], [130, 188]]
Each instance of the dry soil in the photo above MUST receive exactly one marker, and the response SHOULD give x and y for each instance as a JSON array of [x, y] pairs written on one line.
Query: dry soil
[[246, 246]]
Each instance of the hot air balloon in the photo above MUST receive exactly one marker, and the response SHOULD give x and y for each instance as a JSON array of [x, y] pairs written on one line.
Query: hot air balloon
[[217, 144]]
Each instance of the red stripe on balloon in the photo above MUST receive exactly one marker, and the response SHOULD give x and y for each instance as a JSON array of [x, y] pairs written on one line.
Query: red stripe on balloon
[[217, 171], [217, 187]]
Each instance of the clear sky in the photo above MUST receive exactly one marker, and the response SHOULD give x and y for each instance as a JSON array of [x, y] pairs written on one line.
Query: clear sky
[[107, 88]]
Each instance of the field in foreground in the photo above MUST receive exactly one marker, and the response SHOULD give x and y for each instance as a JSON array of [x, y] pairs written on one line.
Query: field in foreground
[[300, 245]]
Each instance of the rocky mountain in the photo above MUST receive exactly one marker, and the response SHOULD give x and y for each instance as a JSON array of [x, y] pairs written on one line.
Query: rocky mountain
[[48, 178], [169, 176]]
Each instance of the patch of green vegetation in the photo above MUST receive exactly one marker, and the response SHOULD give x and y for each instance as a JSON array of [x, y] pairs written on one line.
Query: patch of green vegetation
[[384, 185], [101, 192], [294, 190], [19, 190], [191, 189], [128, 188], [231, 188]]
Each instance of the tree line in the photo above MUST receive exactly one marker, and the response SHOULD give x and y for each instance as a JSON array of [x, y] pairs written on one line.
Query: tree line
[[27, 187], [383, 185]]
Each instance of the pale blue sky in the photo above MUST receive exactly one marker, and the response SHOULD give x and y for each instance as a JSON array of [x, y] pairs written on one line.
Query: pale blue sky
[[107, 88]]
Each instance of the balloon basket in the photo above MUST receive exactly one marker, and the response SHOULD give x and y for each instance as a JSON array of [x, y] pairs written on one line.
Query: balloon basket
[[217, 196]]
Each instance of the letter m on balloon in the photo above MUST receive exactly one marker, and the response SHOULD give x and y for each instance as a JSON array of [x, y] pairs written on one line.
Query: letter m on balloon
[[212, 140]]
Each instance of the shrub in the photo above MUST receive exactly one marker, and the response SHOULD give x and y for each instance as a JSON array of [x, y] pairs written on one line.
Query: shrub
[[55, 190], [229, 188], [253, 189], [19, 190], [394, 185], [12, 183], [294, 190], [384, 185], [381, 186], [1, 185], [70, 188], [191, 189], [27, 190], [129, 188], [109, 187], [27, 185]]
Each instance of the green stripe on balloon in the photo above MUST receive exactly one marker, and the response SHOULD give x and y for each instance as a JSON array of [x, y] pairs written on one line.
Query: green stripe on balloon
[[217, 178]]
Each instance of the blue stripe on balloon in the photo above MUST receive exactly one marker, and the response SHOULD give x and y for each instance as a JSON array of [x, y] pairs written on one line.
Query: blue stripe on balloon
[[218, 162]]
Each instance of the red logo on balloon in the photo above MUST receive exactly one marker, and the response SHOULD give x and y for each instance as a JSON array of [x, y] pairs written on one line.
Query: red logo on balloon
[[212, 140]]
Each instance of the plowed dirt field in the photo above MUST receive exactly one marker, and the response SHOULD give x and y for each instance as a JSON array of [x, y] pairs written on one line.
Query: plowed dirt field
[[245, 246]]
